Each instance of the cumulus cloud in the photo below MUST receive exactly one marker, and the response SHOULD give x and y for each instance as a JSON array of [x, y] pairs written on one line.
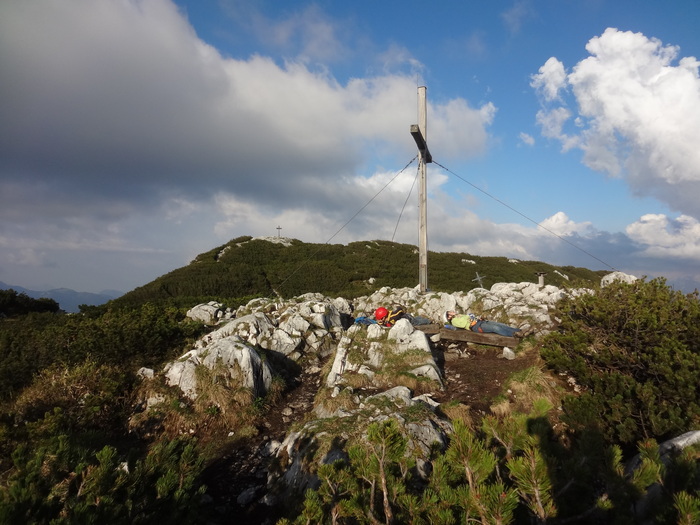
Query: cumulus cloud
[[552, 122], [550, 80], [654, 246], [663, 237], [637, 117], [638, 114], [460, 129], [128, 141], [309, 32], [560, 224], [556, 239]]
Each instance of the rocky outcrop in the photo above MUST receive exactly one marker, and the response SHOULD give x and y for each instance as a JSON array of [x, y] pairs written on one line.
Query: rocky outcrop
[[237, 361], [667, 451], [315, 443], [373, 373], [210, 313], [367, 354], [306, 327], [526, 305]]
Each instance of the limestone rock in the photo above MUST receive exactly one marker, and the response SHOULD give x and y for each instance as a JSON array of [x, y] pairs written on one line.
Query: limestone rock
[[240, 362], [617, 276], [210, 313], [644, 507], [407, 337]]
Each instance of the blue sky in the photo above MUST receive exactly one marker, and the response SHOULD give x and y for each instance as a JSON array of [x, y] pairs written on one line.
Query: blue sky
[[138, 134]]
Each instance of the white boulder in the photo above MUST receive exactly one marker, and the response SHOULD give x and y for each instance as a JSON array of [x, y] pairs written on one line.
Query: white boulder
[[236, 360], [617, 276], [210, 313]]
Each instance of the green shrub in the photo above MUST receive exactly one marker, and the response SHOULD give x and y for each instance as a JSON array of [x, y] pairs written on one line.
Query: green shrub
[[144, 336], [60, 483], [86, 398], [13, 304], [635, 351], [245, 268], [514, 469]]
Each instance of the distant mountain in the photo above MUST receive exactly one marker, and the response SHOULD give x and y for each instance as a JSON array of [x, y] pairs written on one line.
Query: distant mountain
[[67, 299]]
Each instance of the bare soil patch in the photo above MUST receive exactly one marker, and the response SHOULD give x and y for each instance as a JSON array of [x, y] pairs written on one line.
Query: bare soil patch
[[475, 375]]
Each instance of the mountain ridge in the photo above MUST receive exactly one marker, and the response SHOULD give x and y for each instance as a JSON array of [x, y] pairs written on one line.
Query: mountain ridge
[[247, 267], [69, 300]]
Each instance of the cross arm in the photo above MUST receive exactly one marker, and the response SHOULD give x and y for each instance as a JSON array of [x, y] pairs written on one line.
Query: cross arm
[[420, 142]]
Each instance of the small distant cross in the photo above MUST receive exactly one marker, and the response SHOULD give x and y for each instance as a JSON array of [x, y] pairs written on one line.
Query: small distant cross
[[278, 230], [479, 278]]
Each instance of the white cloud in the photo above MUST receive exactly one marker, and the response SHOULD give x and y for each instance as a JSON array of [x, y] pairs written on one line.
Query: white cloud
[[146, 101], [516, 15], [307, 34], [638, 115], [397, 58], [664, 237], [475, 45], [550, 80], [526, 138], [552, 123], [560, 224], [459, 129], [134, 142]]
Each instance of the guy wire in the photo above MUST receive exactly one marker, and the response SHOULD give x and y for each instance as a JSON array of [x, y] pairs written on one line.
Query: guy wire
[[525, 216], [348, 221], [405, 202]]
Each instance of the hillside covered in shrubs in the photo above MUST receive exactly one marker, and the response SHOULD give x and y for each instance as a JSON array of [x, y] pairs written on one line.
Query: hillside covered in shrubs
[[245, 268], [87, 437]]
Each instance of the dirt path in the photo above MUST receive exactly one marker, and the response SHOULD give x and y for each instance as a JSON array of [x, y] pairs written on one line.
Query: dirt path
[[474, 376]]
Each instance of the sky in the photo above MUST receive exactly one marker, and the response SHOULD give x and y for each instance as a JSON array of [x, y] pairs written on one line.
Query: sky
[[137, 134]]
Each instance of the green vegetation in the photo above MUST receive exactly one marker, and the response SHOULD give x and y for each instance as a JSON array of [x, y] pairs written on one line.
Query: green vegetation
[[13, 304], [76, 445], [59, 483], [68, 456], [73, 448], [512, 470], [144, 336], [635, 351], [244, 268]]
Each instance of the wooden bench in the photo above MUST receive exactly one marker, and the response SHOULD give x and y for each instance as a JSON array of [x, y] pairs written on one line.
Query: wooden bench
[[461, 334]]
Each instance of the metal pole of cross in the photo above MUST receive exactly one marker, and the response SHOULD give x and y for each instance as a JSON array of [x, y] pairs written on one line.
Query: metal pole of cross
[[420, 135]]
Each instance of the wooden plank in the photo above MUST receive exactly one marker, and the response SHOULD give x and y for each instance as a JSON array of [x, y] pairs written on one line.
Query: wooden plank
[[428, 328], [468, 336], [475, 337]]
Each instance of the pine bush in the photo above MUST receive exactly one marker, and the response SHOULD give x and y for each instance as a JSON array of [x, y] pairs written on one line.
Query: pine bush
[[635, 351]]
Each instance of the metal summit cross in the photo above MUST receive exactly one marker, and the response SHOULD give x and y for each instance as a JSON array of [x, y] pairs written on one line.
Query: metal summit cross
[[420, 135]]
